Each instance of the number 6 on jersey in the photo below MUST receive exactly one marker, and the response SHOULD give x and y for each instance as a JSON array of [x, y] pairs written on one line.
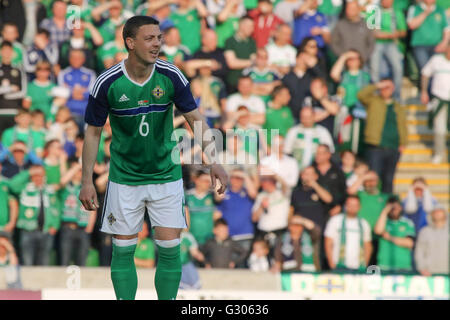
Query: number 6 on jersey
[[144, 132]]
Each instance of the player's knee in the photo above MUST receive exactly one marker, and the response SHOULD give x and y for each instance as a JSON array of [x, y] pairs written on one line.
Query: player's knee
[[167, 243], [125, 237], [118, 242]]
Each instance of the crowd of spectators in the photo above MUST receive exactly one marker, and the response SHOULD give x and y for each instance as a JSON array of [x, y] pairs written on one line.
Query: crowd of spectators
[[317, 195]]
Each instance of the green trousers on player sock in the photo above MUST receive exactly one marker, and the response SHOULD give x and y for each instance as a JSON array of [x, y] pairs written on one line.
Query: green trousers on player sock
[[168, 272], [123, 272]]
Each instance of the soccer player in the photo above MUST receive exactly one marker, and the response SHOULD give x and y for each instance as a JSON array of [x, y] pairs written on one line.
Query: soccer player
[[138, 95]]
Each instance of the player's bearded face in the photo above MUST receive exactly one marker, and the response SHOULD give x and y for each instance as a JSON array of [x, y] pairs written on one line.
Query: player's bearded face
[[148, 43]]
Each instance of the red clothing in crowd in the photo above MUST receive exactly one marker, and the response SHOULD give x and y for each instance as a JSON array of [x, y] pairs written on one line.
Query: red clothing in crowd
[[264, 27]]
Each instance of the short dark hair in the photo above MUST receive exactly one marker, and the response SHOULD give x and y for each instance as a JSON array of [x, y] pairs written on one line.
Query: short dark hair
[[386, 79], [393, 199], [277, 90], [201, 172], [6, 44], [302, 45], [133, 24], [43, 31], [220, 221]]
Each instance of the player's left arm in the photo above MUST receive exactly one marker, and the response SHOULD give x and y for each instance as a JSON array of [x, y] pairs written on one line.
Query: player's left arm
[[197, 121]]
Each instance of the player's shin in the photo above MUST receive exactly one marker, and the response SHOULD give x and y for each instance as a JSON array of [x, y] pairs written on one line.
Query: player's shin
[[123, 269], [168, 270]]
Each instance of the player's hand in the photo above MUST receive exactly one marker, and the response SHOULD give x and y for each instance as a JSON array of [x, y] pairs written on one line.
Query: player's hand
[[217, 172], [88, 197]]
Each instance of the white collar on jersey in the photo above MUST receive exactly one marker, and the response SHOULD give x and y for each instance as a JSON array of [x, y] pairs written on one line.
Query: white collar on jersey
[[122, 65]]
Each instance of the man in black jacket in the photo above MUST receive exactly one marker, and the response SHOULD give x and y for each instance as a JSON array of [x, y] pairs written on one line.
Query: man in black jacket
[[13, 86], [299, 79], [331, 177]]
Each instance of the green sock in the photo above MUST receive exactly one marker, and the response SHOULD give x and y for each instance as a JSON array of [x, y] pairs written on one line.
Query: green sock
[[123, 272], [168, 272]]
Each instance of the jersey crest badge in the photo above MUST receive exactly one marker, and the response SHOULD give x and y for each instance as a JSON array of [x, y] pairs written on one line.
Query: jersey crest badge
[[29, 213], [111, 219], [158, 92]]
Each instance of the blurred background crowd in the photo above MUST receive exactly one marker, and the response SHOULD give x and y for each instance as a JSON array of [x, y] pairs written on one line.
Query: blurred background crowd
[[336, 80]]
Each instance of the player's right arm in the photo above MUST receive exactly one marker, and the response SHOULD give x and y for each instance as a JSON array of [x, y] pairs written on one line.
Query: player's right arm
[[88, 194], [95, 116]]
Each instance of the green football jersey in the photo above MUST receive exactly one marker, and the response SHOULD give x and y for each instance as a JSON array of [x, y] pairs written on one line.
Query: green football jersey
[[189, 25], [29, 205], [4, 202], [430, 32], [261, 77], [371, 206], [109, 51], [141, 117], [278, 119], [31, 138], [201, 211], [40, 96], [391, 256]]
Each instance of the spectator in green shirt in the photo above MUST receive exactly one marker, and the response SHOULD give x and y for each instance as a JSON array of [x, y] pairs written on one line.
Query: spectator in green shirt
[[39, 215], [106, 54], [39, 91], [116, 16], [240, 52], [187, 19], [373, 202], [225, 18], [397, 238], [23, 132], [278, 113], [349, 74], [430, 31], [189, 251], [144, 256], [9, 208], [392, 30], [77, 223], [265, 79], [39, 131], [11, 34], [174, 51], [200, 208], [55, 161]]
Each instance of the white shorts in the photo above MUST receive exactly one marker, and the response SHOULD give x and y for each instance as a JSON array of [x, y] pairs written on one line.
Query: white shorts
[[124, 207]]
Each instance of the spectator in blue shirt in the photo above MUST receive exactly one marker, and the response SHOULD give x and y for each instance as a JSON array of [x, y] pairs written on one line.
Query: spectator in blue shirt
[[310, 23], [236, 207], [57, 26], [41, 50], [79, 80], [419, 203], [16, 159]]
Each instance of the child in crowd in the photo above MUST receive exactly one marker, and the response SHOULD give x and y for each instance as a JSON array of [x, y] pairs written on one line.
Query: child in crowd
[[259, 258]]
